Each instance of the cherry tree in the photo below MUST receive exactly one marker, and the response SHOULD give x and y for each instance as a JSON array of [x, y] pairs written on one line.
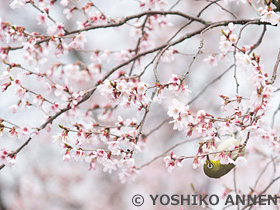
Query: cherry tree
[[107, 95]]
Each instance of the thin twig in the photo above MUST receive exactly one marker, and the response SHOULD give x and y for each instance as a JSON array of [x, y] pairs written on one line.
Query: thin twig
[[274, 115], [166, 151], [174, 5], [259, 177], [269, 185], [235, 185], [211, 83], [147, 109], [157, 62], [138, 43], [223, 8], [274, 75], [207, 26], [32, 3], [234, 57], [51, 119], [194, 57], [259, 40], [156, 128]]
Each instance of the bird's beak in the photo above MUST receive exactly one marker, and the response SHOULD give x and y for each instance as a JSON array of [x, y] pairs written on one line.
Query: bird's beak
[[210, 164], [207, 156]]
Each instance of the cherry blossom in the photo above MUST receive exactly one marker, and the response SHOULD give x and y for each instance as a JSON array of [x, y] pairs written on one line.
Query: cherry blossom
[[240, 161], [64, 3], [172, 162], [5, 158], [78, 42], [211, 60], [128, 175], [41, 17], [17, 4], [224, 158], [66, 156], [269, 16], [117, 89], [56, 29]]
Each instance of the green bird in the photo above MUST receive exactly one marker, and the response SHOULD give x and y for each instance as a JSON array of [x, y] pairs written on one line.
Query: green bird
[[213, 168]]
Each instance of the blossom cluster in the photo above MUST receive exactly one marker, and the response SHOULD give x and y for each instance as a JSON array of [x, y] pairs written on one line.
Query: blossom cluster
[[172, 162], [110, 87], [63, 84], [269, 16], [125, 92], [119, 140], [6, 158], [245, 114]]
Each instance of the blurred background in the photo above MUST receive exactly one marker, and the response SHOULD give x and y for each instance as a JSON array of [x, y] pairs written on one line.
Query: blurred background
[[42, 180]]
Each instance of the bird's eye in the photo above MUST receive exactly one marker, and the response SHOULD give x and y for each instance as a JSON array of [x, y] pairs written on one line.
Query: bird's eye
[[210, 165]]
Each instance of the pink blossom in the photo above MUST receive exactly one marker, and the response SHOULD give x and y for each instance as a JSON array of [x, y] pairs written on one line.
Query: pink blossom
[[268, 91], [78, 42], [12, 133], [258, 80], [24, 132], [171, 162], [17, 4], [175, 109], [77, 154], [135, 32], [114, 148], [240, 161], [41, 17], [231, 26], [159, 97], [109, 165], [168, 56], [61, 138], [270, 17], [38, 99], [64, 3], [225, 46], [198, 160], [54, 108], [200, 114], [175, 80], [6, 158], [77, 97], [5, 86], [122, 86], [225, 128], [211, 60], [123, 55], [68, 13], [56, 29], [232, 38], [128, 175], [14, 108], [224, 158], [66, 156], [126, 162], [141, 88], [4, 75], [153, 4], [59, 90], [243, 62]]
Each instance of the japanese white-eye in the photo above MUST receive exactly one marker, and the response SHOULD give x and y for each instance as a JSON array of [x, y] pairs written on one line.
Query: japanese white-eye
[[213, 168]]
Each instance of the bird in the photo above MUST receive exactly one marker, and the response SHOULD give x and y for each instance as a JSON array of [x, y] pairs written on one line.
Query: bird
[[213, 168]]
